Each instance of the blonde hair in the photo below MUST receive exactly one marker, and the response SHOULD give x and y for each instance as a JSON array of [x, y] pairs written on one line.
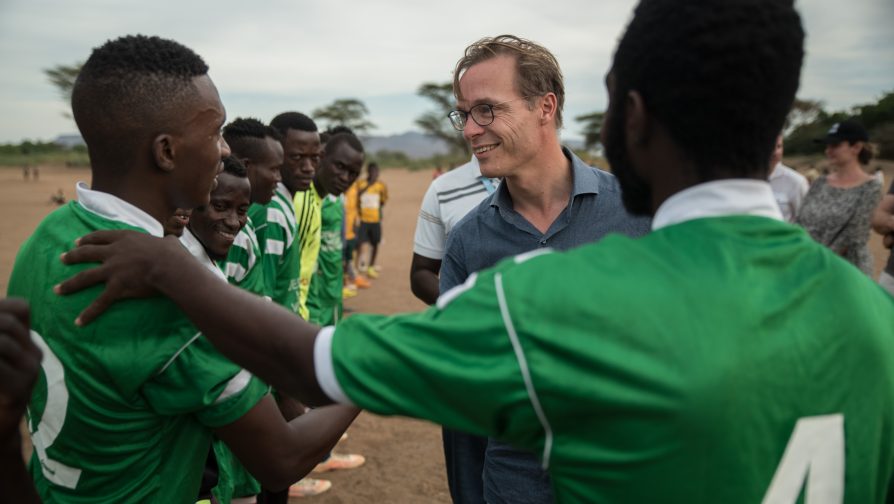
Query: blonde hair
[[537, 71]]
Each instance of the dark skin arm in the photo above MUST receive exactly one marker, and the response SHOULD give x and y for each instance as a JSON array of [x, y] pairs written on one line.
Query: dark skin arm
[[263, 337], [266, 339], [424, 278], [19, 368]]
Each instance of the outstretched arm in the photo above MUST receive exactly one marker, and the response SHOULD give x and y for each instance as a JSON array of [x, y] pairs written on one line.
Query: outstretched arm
[[19, 367], [260, 336]]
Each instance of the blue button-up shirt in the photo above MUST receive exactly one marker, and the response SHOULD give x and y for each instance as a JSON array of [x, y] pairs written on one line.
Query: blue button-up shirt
[[494, 230]]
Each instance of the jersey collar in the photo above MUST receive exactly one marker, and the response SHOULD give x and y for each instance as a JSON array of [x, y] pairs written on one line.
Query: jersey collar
[[194, 246], [114, 208], [716, 199]]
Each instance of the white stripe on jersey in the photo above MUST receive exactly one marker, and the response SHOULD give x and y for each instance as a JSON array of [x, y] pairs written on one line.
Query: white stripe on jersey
[[274, 247], [234, 386], [235, 271], [279, 217], [526, 372]]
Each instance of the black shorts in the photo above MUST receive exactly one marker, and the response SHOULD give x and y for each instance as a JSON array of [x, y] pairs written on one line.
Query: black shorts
[[370, 232]]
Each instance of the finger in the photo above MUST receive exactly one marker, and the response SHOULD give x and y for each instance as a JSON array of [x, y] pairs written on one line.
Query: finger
[[81, 281], [102, 237], [85, 254], [96, 308]]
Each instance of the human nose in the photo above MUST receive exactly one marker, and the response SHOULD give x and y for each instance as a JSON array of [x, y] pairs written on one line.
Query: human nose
[[471, 129], [232, 219]]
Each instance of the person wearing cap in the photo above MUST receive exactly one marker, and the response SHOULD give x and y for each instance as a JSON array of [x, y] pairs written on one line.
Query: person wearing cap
[[838, 207]]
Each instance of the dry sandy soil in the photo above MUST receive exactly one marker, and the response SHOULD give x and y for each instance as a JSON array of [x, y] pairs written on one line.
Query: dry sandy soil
[[404, 458]]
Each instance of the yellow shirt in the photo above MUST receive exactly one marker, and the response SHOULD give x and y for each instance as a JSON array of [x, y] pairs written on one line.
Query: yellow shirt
[[372, 198]]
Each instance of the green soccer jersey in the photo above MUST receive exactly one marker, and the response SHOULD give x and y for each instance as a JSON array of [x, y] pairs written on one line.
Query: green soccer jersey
[[324, 298], [727, 359], [280, 250], [124, 407], [308, 205], [243, 266]]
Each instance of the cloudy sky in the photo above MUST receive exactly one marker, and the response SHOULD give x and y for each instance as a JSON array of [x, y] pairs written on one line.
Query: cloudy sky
[[271, 56]]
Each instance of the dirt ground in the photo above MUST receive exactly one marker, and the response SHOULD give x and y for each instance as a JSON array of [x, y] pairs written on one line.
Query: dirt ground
[[404, 459]]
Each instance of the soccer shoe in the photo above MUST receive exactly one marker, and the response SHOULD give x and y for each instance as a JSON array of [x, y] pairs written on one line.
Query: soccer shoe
[[372, 273], [308, 487], [362, 283], [348, 292], [338, 461]]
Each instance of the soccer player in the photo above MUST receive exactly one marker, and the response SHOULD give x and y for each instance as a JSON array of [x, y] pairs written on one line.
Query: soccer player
[[448, 199], [128, 407], [320, 208], [19, 368], [301, 149], [176, 223], [372, 194], [705, 362], [258, 148]]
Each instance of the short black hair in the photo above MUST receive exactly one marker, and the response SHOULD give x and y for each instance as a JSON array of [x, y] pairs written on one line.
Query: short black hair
[[233, 166], [334, 130], [245, 136], [293, 120], [340, 138], [719, 75], [129, 88]]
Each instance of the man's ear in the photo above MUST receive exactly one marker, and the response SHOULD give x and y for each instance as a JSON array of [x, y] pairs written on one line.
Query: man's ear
[[163, 152], [549, 104], [636, 119]]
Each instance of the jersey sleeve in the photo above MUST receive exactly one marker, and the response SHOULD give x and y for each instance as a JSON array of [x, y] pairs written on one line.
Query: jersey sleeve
[[199, 380], [430, 231], [453, 364]]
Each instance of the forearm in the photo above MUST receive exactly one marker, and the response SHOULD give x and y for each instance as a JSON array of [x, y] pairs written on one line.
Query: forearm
[[424, 278], [271, 342], [882, 222]]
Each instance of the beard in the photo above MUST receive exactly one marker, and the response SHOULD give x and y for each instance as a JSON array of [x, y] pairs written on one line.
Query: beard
[[635, 192]]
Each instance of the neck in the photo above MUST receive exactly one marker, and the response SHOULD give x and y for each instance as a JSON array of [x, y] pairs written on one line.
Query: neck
[[139, 191], [542, 189], [320, 189]]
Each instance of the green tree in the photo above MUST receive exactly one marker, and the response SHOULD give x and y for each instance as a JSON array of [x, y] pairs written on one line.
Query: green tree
[[592, 124], [63, 77], [349, 112], [434, 123]]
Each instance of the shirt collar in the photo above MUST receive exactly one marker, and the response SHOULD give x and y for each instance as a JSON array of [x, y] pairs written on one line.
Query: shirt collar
[[194, 246], [585, 181], [114, 208], [777, 171], [716, 199]]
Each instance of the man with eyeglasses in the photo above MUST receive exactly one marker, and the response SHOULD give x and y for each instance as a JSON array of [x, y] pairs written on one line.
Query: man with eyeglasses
[[510, 94]]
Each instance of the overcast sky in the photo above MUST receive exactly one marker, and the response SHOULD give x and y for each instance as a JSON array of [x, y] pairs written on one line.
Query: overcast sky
[[270, 56]]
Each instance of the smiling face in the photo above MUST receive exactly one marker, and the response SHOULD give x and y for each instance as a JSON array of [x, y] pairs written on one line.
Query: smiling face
[[217, 224], [511, 140], [339, 169], [301, 152], [264, 171], [198, 147]]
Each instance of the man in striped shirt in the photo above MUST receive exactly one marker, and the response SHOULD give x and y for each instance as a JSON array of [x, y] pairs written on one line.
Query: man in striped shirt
[[258, 147]]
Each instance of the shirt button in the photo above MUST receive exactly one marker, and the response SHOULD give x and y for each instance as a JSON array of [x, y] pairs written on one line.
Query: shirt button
[[543, 242]]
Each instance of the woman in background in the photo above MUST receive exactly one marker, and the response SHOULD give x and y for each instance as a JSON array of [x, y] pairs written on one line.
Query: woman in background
[[838, 207]]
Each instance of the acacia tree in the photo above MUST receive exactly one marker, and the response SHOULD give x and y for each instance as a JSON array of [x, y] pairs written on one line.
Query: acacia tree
[[592, 124], [63, 77], [434, 123], [349, 112]]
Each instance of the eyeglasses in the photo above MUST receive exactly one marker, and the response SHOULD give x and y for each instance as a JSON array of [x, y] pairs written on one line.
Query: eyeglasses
[[482, 114]]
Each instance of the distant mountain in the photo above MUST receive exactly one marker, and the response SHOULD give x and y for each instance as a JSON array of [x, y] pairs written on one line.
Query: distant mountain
[[414, 144], [419, 145]]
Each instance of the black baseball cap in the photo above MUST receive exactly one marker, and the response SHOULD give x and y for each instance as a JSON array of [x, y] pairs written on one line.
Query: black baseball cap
[[845, 131]]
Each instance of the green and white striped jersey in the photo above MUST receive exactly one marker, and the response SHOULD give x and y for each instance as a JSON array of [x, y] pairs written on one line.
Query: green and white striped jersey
[[243, 266], [726, 359], [124, 407], [276, 231]]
